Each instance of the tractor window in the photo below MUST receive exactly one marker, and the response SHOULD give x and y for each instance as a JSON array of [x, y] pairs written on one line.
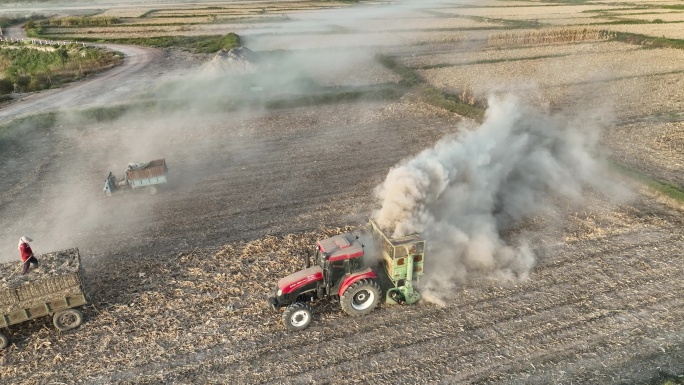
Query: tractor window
[[336, 272], [356, 264], [320, 261]]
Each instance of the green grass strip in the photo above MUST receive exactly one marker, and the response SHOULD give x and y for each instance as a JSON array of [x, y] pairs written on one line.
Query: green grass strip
[[488, 61], [648, 41], [451, 102], [408, 77], [665, 188], [430, 94], [198, 44], [40, 121]]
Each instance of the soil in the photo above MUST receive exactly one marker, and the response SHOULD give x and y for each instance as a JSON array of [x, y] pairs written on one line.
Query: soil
[[178, 280]]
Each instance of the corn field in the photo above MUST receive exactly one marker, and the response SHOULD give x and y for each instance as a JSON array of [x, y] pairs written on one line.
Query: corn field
[[530, 37]]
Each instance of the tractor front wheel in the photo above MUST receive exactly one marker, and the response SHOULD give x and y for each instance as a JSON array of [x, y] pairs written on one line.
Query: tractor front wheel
[[297, 316], [360, 298]]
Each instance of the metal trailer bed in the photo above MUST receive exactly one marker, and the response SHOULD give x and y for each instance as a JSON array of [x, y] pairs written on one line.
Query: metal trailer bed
[[154, 173], [146, 175], [55, 288]]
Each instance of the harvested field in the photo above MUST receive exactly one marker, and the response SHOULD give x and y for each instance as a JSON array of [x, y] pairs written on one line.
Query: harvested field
[[273, 40], [178, 279], [125, 12], [541, 12], [615, 301], [583, 74], [419, 24], [657, 148], [584, 18], [479, 54]]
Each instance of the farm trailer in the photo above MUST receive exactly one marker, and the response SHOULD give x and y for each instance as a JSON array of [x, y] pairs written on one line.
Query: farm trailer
[[340, 272], [54, 288], [147, 175]]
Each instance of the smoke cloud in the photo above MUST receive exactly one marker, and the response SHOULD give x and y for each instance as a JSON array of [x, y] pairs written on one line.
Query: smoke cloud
[[468, 189]]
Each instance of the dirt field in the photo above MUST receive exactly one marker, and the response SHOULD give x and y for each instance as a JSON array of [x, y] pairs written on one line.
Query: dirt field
[[178, 280]]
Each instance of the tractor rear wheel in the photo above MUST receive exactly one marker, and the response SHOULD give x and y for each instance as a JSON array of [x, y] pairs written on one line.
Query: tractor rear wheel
[[360, 298], [297, 316]]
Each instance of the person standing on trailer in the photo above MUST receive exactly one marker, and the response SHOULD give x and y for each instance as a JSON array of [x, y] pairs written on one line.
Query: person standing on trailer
[[26, 253]]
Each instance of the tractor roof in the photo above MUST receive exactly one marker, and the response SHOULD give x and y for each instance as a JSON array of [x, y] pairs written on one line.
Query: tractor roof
[[339, 247]]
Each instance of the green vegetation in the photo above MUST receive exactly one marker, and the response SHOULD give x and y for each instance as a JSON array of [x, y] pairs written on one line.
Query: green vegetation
[[665, 188], [624, 21], [36, 28], [6, 21], [664, 378], [336, 97], [82, 21], [463, 104], [451, 102], [574, 2], [47, 120], [489, 61], [408, 77], [648, 41], [634, 21], [38, 121], [33, 29], [25, 68], [148, 13], [199, 44]]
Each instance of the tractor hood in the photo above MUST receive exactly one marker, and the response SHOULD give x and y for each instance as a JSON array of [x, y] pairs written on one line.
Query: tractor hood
[[303, 277]]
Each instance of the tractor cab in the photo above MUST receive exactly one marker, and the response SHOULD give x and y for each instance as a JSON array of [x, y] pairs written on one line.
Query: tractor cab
[[338, 256]]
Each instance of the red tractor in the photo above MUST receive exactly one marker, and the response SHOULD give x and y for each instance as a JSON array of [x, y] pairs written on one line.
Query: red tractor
[[340, 272]]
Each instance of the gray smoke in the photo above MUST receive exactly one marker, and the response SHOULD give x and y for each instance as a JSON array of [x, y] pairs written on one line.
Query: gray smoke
[[467, 189]]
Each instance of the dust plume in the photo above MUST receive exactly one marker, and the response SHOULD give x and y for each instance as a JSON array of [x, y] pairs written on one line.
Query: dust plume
[[467, 189]]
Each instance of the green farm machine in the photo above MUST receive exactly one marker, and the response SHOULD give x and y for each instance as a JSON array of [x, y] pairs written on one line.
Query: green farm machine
[[402, 265], [341, 272]]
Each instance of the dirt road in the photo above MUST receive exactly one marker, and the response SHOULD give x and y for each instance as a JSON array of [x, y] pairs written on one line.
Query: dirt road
[[109, 87]]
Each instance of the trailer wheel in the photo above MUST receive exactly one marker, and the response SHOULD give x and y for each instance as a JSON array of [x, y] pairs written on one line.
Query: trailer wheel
[[67, 319], [360, 298], [151, 190], [4, 341], [297, 316]]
